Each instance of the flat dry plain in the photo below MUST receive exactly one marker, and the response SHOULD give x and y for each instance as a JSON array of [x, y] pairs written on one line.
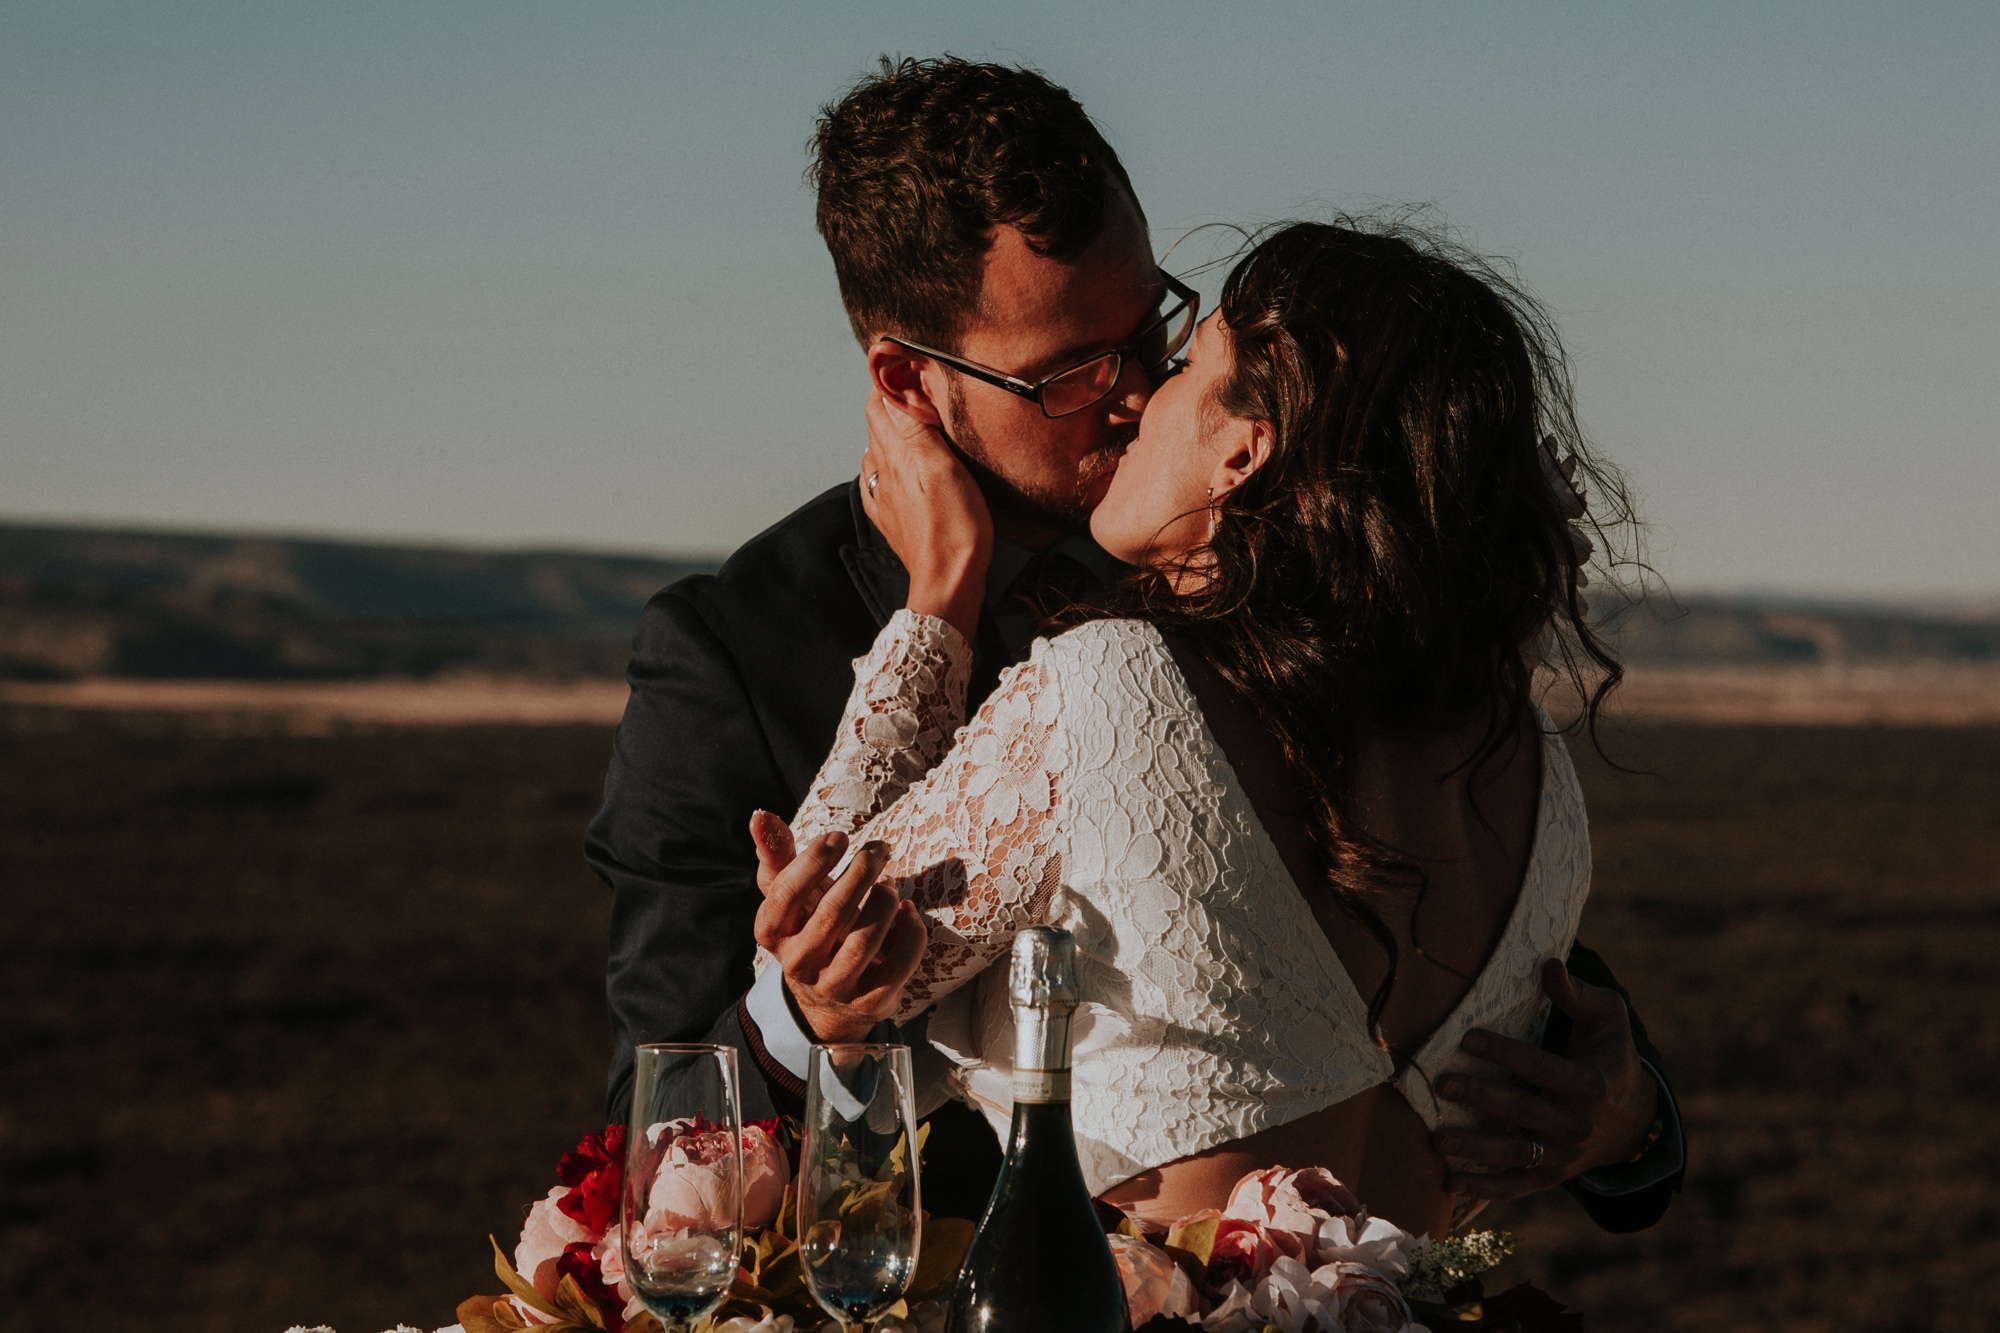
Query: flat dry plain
[[289, 1024]]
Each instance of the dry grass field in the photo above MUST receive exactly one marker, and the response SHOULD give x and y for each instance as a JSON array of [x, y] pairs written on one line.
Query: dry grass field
[[289, 1024]]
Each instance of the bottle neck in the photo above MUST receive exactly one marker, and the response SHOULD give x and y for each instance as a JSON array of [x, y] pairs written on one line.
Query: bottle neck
[[1041, 1055]]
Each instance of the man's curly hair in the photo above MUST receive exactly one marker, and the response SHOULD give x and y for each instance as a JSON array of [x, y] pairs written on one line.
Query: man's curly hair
[[918, 164]]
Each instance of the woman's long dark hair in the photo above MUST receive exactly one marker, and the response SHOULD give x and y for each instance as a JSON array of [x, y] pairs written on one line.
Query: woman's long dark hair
[[1402, 558]]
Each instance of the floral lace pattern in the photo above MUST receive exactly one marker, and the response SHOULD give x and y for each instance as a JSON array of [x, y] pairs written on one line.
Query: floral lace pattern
[[1089, 793], [908, 699]]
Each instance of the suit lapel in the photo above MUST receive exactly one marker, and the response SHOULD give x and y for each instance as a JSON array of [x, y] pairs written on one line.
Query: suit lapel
[[878, 575], [884, 586]]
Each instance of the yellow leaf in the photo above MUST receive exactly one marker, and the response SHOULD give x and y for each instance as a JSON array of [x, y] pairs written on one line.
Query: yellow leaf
[[788, 1215], [488, 1314], [1197, 1239], [897, 1167], [945, 1242], [865, 1204], [579, 1308]]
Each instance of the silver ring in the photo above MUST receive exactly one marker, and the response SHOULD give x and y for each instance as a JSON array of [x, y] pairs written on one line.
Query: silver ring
[[1535, 1153], [873, 477]]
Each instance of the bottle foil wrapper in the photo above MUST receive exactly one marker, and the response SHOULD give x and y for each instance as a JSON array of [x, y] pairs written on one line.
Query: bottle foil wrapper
[[1042, 982]]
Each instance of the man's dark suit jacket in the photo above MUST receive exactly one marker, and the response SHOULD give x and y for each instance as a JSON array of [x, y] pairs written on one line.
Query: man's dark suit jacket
[[738, 683]]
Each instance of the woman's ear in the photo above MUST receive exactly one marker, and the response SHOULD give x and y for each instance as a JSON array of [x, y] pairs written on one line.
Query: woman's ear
[[898, 374], [1248, 448]]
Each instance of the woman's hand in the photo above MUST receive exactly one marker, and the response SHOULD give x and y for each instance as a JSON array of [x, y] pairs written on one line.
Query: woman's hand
[[929, 507], [848, 946]]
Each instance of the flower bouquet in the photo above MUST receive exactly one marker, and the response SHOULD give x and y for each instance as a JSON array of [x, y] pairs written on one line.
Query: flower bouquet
[[568, 1268], [1293, 1251]]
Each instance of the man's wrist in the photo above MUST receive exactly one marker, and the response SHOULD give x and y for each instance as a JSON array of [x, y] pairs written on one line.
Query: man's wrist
[[1664, 1155], [827, 1023]]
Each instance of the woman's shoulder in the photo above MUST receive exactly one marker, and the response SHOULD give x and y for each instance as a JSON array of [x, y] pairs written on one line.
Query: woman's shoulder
[[1110, 665], [1098, 639]]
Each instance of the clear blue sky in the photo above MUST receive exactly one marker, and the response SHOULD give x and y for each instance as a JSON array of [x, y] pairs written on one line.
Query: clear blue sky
[[546, 273]]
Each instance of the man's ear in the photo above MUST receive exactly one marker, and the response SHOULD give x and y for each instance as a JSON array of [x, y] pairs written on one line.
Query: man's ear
[[1248, 449], [898, 374]]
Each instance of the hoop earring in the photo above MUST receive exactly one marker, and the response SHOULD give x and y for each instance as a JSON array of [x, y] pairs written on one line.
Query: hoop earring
[[1211, 513]]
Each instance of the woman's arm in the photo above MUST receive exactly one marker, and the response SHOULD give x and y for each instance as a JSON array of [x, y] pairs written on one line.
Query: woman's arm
[[976, 845], [908, 699]]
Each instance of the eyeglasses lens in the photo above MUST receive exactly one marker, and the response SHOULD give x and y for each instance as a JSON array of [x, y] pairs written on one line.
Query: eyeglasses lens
[[1077, 389], [1165, 339]]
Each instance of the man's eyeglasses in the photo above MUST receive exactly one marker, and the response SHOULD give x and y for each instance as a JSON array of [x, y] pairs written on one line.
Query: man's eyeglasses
[[1088, 382]]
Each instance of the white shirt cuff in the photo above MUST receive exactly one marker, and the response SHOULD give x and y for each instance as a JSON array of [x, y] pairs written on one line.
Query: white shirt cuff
[[769, 1010]]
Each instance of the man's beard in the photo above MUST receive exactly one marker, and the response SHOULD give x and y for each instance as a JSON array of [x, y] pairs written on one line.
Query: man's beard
[[1066, 510]]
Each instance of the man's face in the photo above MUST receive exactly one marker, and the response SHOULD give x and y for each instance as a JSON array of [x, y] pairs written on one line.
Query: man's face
[[1037, 316]]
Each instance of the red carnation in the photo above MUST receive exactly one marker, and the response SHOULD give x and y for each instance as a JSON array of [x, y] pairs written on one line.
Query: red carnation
[[576, 1263], [595, 1173]]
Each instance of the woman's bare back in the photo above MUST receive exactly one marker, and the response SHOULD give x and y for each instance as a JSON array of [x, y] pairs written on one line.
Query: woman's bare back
[[1415, 794]]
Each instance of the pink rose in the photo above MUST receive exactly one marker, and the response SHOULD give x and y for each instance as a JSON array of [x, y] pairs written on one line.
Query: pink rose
[[1361, 1299], [1243, 1252], [546, 1234], [766, 1173], [1288, 1200], [1285, 1300], [1154, 1283], [691, 1189], [1312, 1217], [1374, 1241], [611, 1267]]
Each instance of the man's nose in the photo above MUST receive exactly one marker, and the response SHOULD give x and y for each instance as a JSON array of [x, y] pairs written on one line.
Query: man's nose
[[1130, 395]]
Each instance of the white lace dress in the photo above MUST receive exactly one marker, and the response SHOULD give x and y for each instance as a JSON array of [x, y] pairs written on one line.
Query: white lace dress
[[1089, 794]]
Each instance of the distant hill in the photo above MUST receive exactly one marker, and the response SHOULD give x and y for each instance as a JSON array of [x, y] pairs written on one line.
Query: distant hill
[[78, 602], [1764, 630], [89, 602]]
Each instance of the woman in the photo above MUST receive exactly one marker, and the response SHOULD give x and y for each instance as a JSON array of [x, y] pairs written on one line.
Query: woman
[[1289, 788]]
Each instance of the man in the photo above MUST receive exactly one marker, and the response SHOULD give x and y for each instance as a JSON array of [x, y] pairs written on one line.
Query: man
[[996, 268]]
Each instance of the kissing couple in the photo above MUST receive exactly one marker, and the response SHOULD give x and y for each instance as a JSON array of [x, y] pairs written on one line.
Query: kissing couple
[[1211, 639]]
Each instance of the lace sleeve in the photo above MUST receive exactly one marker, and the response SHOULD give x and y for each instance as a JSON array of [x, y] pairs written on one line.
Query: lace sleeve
[[908, 699], [975, 844]]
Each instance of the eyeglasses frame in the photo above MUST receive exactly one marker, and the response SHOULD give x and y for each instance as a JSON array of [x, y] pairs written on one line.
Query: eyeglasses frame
[[1188, 299]]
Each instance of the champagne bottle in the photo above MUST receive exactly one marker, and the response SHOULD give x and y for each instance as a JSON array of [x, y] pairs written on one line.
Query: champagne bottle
[[1039, 1261]]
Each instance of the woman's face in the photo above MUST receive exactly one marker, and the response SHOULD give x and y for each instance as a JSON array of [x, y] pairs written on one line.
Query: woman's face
[[1156, 509]]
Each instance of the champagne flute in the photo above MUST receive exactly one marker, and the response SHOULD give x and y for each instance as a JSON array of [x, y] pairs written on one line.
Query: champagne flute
[[683, 1202], [859, 1214]]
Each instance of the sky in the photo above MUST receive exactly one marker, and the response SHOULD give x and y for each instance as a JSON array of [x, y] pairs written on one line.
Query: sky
[[545, 274]]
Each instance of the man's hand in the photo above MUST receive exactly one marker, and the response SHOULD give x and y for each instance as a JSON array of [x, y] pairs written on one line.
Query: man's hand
[[1584, 1112], [847, 946]]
